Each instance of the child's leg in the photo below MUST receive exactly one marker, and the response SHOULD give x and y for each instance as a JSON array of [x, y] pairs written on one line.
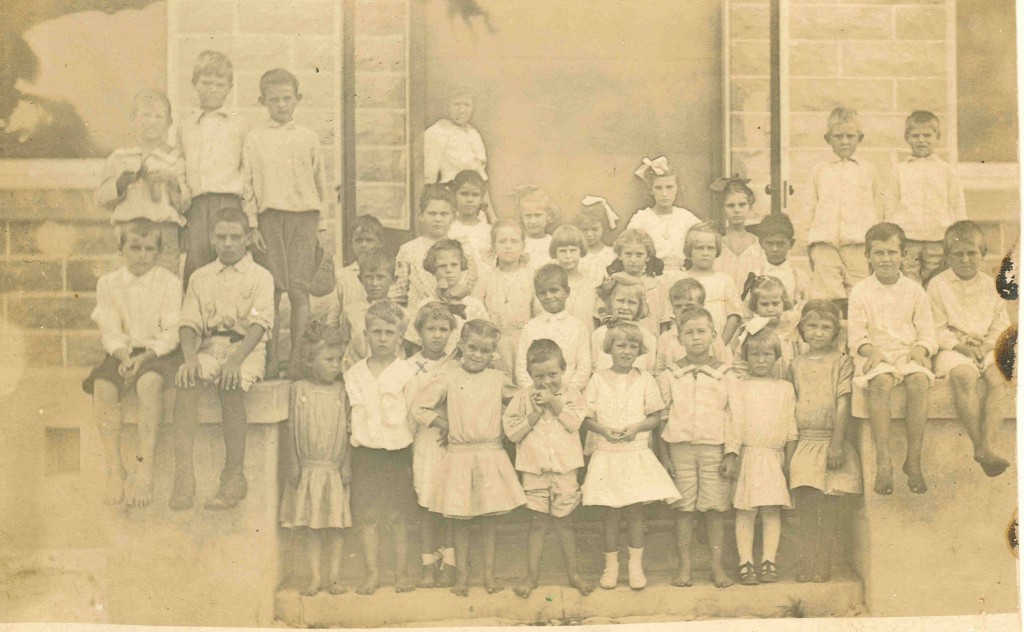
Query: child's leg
[[808, 503], [964, 380], [186, 403], [745, 520], [771, 532], [461, 529], [149, 388], [828, 529], [610, 577], [716, 538], [917, 418], [233, 487], [684, 543], [370, 535], [489, 532], [299, 303], [566, 532], [336, 550], [427, 548], [995, 392], [400, 531], [534, 549], [273, 368], [106, 411], [635, 524], [880, 388], [312, 538]]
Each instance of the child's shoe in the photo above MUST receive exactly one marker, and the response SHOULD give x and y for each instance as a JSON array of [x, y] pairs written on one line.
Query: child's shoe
[[747, 575], [610, 577], [637, 579], [233, 489], [769, 572]]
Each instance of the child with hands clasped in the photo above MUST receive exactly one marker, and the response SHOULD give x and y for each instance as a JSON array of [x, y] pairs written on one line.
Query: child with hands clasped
[[824, 466], [474, 480], [665, 222], [623, 407], [544, 420], [315, 499], [893, 335], [969, 317], [763, 410]]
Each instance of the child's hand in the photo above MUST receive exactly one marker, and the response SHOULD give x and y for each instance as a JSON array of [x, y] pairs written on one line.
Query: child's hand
[[610, 434], [123, 180], [981, 351], [835, 455], [188, 374], [258, 242], [130, 367], [874, 360], [440, 422], [230, 376], [627, 434], [728, 468], [920, 356]]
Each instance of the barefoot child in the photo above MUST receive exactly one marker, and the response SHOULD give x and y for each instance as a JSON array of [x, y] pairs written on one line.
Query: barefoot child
[[138, 307], [623, 407], [741, 252], [551, 285], [624, 302], [825, 467], [317, 468], [225, 318], [697, 426], [763, 410], [893, 335], [544, 421], [567, 249], [538, 214], [595, 219], [376, 276], [969, 317], [475, 481], [666, 223]]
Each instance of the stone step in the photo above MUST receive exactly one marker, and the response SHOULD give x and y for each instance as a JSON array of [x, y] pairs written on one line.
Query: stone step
[[554, 603]]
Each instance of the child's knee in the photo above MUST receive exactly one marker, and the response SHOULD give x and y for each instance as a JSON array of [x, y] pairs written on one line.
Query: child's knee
[[917, 384], [105, 393], [963, 378], [149, 385], [882, 384]]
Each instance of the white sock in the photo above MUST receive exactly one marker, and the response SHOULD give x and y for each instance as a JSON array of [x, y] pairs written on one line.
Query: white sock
[[745, 534], [771, 531]]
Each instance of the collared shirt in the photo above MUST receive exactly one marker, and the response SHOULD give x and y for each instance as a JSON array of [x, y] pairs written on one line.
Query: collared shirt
[[697, 407], [929, 198], [231, 298], [379, 406], [553, 443], [668, 232], [282, 169], [212, 143], [569, 334], [845, 201], [157, 202], [893, 317], [964, 309], [138, 311], [449, 148]]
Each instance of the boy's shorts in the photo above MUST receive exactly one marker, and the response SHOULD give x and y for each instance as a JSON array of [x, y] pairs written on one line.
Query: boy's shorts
[[696, 471], [382, 487], [291, 248], [947, 360], [213, 354], [164, 366], [554, 493], [837, 269], [897, 364]]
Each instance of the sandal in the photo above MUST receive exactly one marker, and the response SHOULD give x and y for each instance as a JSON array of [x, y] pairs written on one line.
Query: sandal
[[769, 572], [747, 575]]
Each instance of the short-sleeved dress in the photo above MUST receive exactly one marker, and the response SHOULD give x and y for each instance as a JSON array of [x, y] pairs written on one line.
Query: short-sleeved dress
[[426, 448], [739, 265], [508, 299], [622, 474], [819, 383], [765, 408], [320, 429]]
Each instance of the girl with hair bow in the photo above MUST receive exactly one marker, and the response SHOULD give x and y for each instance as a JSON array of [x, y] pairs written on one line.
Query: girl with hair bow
[[666, 223]]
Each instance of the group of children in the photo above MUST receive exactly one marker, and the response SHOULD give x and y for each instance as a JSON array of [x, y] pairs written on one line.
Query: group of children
[[686, 363]]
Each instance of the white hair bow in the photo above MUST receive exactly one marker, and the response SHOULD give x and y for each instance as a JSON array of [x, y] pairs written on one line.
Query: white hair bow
[[613, 217], [752, 326], [659, 166]]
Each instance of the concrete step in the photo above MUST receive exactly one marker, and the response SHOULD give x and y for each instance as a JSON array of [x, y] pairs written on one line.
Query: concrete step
[[554, 603]]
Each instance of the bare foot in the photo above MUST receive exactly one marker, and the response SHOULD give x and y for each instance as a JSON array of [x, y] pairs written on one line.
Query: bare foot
[[990, 462], [114, 493], [492, 585], [447, 576], [403, 584], [140, 492], [312, 588], [720, 577], [335, 587], [525, 588], [461, 586], [427, 578], [369, 585], [683, 579], [580, 584], [883, 480], [915, 478]]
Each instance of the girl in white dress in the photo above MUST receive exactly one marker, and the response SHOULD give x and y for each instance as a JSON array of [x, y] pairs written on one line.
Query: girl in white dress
[[721, 296], [623, 407], [741, 251], [539, 214], [666, 223], [471, 225], [635, 262], [765, 410], [595, 219]]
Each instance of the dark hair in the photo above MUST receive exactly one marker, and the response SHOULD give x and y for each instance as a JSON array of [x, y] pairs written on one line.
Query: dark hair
[[551, 272], [230, 215], [445, 245], [370, 225], [884, 232], [435, 193], [822, 308], [738, 186], [278, 77], [686, 288], [141, 227], [542, 350], [919, 118], [211, 62], [377, 259], [467, 176]]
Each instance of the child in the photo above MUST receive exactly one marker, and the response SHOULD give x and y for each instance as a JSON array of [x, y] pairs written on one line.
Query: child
[[763, 409], [447, 262], [741, 252], [635, 263], [825, 466], [382, 481], [892, 332], [623, 407], [376, 276], [413, 284], [452, 145], [776, 236], [367, 235], [567, 249], [211, 138], [544, 421], [317, 467], [845, 201], [507, 291], [969, 317], [148, 180], [698, 426], [684, 294], [225, 318], [624, 302], [666, 223], [434, 323], [137, 309], [471, 225], [929, 197], [475, 481], [596, 219], [767, 301], [722, 298], [538, 213], [283, 193], [551, 285]]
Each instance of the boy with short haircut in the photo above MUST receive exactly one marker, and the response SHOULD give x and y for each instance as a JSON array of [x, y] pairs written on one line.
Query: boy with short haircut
[[892, 337], [929, 197], [845, 202], [551, 285], [138, 307], [776, 235], [283, 194], [969, 317], [376, 275], [148, 179], [382, 482], [544, 421], [684, 294], [211, 138], [227, 313]]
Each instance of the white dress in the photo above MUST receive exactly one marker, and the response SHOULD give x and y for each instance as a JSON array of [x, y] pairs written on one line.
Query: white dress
[[622, 474], [739, 266], [668, 232], [426, 447], [539, 250], [766, 409]]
